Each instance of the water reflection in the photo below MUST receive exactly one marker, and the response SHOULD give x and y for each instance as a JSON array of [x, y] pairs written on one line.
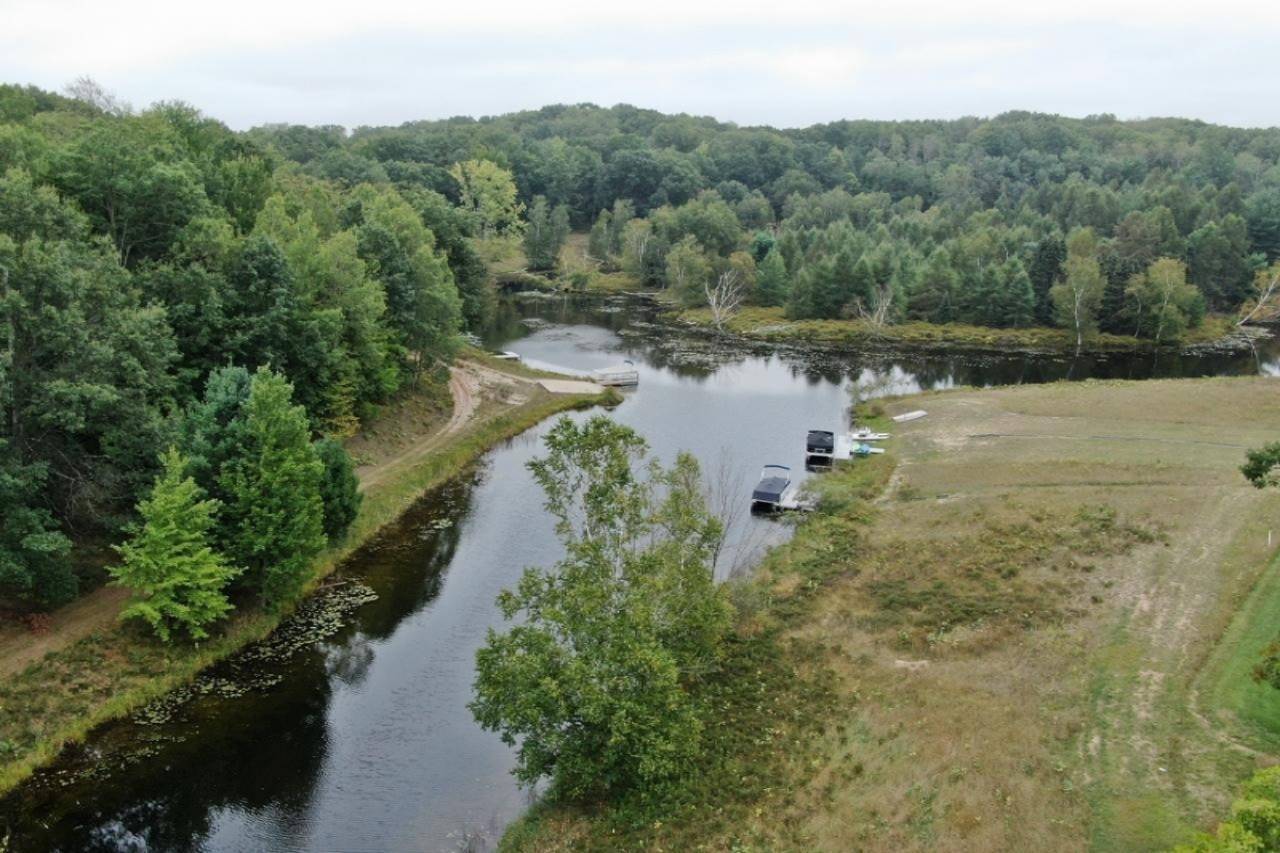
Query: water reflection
[[366, 742]]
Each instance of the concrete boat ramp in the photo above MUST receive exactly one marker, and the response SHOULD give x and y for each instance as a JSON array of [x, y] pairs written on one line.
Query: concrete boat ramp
[[571, 386]]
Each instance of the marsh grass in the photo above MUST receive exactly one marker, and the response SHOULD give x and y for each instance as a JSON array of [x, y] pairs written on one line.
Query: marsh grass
[[771, 324]]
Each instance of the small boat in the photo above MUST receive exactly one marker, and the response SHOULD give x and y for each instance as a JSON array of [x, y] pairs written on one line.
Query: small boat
[[507, 355], [865, 434], [866, 450], [775, 480], [820, 444], [910, 416], [619, 375]]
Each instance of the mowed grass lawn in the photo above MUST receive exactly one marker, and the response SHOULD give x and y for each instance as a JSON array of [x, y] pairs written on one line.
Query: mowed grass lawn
[[1038, 636], [1050, 629]]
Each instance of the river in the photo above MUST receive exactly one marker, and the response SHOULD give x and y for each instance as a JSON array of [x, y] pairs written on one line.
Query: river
[[363, 741]]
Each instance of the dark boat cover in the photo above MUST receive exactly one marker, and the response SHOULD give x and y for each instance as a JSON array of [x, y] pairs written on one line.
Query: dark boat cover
[[770, 489], [820, 441]]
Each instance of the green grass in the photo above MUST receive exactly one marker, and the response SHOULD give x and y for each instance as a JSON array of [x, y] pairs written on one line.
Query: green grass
[[1229, 688], [112, 673]]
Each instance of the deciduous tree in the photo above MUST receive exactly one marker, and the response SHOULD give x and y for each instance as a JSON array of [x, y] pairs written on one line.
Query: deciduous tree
[[592, 684], [178, 580]]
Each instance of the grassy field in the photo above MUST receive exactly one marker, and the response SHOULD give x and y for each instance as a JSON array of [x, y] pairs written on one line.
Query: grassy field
[[114, 670], [1037, 637]]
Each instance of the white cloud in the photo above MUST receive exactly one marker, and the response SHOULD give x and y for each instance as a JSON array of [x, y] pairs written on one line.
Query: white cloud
[[384, 61]]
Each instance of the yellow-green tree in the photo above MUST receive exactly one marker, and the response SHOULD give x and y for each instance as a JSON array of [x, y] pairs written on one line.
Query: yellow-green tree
[[1166, 304], [178, 580], [488, 193]]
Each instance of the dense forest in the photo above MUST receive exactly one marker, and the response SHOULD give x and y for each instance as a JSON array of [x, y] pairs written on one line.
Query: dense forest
[[972, 220], [244, 299], [188, 322]]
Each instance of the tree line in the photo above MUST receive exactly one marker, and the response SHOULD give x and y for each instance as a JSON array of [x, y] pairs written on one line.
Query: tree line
[[943, 221], [189, 323]]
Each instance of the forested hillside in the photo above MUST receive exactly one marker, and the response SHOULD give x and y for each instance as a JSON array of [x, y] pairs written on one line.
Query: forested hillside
[[160, 274], [167, 283], [971, 220]]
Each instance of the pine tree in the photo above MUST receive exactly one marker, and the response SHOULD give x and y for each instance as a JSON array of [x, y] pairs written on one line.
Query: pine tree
[[179, 581], [771, 279], [1017, 300], [1046, 268], [932, 296], [339, 490], [274, 502], [598, 247], [544, 234]]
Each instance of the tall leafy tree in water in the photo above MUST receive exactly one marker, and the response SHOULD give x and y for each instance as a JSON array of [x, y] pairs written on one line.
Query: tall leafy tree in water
[[592, 682], [178, 580], [273, 487]]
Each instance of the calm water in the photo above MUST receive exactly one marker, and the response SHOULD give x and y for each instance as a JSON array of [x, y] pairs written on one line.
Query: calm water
[[364, 742]]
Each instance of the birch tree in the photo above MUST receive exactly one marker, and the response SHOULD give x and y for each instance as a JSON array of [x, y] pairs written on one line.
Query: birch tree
[[1266, 299], [1077, 296], [724, 294], [1168, 304]]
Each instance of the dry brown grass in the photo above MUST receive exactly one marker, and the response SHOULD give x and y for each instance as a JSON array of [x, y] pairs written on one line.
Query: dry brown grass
[[1069, 726], [1017, 633]]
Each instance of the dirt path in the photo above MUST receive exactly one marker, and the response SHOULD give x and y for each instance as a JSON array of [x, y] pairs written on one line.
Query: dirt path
[[19, 648], [465, 387]]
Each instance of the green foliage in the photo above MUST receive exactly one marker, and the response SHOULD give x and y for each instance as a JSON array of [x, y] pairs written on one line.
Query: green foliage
[[596, 681], [339, 489], [34, 561], [1254, 825], [488, 194], [687, 271], [544, 234], [772, 285], [1166, 304], [178, 581], [1262, 466], [598, 243], [1078, 296], [273, 487]]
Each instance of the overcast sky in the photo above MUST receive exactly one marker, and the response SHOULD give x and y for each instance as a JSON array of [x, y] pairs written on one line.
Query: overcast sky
[[359, 62]]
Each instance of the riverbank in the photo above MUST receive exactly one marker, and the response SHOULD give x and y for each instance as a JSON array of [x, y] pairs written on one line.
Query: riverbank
[[107, 670], [1022, 628], [771, 325]]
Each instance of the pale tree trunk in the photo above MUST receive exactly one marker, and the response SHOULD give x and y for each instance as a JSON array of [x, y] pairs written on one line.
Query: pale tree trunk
[[1078, 302], [1263, 299], [724, 296], [881, 302]]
